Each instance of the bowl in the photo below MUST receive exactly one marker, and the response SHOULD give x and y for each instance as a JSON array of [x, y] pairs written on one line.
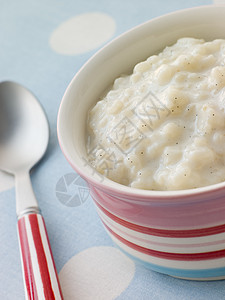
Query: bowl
[[179, 233]]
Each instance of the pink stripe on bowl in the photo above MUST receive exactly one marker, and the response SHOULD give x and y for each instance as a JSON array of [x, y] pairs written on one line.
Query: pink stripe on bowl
[[169, 255], [205, 214], [190, 245], [163, 232]]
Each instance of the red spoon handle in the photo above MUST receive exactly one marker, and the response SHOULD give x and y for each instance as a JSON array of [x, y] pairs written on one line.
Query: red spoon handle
[[40, 275]]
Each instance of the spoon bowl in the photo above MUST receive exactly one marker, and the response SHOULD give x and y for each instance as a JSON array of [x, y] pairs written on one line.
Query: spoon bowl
[[24, 130]]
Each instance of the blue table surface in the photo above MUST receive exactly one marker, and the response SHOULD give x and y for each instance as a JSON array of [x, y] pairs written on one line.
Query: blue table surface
[[42, 46]]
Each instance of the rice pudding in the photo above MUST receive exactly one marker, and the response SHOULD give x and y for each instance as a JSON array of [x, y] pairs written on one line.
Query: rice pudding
[[163, 126]]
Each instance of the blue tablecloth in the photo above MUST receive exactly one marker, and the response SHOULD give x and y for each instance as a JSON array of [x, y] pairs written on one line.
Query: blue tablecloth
[[42, 45]]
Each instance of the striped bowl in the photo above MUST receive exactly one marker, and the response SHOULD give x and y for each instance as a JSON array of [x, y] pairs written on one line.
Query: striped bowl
[[180, 233]]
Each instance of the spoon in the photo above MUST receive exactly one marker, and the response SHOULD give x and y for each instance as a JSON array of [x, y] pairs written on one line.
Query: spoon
[[24, 135]]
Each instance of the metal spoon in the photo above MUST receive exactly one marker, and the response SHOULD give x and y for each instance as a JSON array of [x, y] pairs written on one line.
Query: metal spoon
[[24, 135]]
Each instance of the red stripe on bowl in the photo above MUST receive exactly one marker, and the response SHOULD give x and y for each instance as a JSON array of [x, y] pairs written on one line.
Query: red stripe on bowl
[[163, 232], [171, 256]]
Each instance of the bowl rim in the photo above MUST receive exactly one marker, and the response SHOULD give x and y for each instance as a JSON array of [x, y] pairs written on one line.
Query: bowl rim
[[107, 185]]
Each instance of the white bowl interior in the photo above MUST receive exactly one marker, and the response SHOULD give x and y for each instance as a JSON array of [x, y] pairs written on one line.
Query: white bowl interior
[[119, 57]]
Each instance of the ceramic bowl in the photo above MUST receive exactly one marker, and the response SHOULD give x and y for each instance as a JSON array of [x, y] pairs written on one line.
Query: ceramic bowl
[[179, 233]]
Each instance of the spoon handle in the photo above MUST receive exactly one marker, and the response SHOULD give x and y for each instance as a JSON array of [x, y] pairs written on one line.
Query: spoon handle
[[40, 275]]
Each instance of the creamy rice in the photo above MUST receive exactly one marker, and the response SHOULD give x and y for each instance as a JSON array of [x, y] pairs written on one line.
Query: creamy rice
[[163, 126]]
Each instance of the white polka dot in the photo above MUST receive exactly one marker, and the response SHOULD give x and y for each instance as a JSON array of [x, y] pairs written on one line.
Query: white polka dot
[[6, 181], [96, 273], [82, 33]]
